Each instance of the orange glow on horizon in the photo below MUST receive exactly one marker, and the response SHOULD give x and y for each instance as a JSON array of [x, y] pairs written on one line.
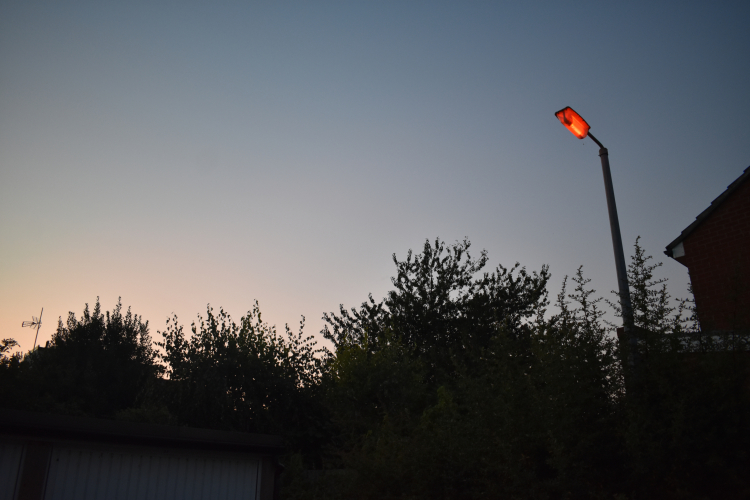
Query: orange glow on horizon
[[573, 122]]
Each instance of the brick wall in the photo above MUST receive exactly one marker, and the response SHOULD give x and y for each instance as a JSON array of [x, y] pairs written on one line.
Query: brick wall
[[717, 255]]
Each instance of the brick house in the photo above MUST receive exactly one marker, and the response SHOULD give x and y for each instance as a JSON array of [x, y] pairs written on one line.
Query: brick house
[[716, 250]]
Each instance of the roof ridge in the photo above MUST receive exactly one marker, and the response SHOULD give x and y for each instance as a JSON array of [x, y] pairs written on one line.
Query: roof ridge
[[704, 214]]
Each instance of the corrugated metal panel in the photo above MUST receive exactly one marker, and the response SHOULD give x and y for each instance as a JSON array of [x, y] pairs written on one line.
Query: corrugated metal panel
[[97, 474], [10, 463]]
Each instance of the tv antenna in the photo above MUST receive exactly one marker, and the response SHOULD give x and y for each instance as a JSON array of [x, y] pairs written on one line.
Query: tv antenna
[[35, 322]]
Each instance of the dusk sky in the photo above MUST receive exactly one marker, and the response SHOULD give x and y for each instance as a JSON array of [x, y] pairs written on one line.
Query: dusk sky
[[178, 154]]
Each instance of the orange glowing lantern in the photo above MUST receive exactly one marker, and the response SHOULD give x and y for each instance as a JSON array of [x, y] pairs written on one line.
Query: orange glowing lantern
[[573, 122]]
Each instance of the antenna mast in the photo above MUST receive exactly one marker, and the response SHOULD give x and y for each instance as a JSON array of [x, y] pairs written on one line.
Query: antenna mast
[[35, 322]]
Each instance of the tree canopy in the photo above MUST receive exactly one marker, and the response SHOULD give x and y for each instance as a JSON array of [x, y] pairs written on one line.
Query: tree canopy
[[444, 308], [97, 364], [459, 383], [245, 377]]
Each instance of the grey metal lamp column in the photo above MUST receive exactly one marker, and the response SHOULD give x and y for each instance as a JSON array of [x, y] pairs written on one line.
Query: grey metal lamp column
[[622, 273]]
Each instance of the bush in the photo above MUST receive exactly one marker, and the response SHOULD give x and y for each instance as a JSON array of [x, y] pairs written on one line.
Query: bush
[[461, 386], [245, 378], [97, 365]]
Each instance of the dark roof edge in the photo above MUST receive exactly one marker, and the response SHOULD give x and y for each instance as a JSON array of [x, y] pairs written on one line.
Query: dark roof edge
[[45, 425], [704, 215]]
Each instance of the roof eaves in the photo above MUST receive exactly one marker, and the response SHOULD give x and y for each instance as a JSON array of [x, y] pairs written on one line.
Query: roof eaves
[[704, 215], [95, 429]]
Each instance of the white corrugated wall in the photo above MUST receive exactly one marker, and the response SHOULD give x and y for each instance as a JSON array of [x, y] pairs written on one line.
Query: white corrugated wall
[[10, 462], [83, 474]]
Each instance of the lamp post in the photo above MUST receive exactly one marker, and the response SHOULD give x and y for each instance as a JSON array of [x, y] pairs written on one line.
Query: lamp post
[[578, 126]]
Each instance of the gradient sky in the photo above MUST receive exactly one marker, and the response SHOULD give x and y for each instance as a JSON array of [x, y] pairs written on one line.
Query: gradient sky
[[179, 154]]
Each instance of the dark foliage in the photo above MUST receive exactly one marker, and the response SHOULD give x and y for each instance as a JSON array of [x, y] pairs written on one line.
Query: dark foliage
[[5, 346], [457, 386], [9, 372], [533, 415], [444, 310], [97, 365], [246, 378]]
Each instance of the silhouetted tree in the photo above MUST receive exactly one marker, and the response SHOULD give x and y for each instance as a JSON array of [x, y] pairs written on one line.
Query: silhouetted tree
[[461, 385], [5, 346], [444, 310], [245, 377], [533, 416], [97, 365]]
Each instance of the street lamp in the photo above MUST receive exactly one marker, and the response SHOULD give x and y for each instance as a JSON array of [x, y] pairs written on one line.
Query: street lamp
[[578, 126]]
